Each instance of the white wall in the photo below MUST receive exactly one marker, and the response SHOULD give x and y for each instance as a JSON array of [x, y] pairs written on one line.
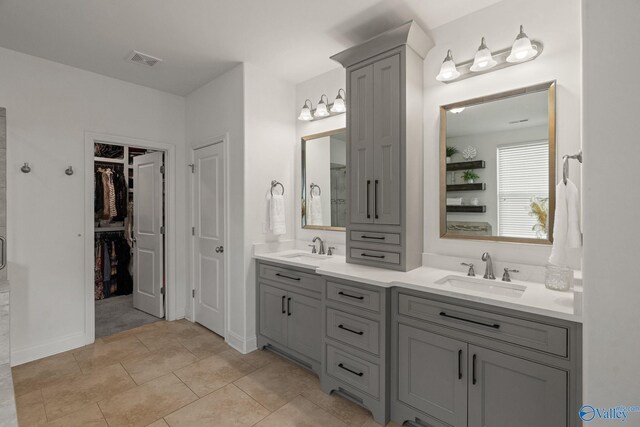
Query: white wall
[[269, 130], [557, 25], [215, 110], [49, 108], [611, 204], [328, 84]]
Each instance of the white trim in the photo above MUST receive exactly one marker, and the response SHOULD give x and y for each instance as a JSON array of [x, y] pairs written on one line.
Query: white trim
[[243, 346], [170, 215], [224, 140]]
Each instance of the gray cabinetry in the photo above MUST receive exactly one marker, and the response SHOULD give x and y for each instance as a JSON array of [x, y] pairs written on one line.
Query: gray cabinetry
[[288, 313], [384, 118], [468, 365]]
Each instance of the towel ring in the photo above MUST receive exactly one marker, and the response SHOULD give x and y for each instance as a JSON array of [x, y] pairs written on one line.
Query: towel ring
[[275, 183], [565, 165], [312, 186]]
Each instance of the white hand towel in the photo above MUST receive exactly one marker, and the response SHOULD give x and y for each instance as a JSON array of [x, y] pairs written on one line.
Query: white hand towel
[[277, 222], [315, 210], [566, 225]]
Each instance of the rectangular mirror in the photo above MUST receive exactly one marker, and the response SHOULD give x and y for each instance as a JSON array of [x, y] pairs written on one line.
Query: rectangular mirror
[[497, 166], [324, 180]]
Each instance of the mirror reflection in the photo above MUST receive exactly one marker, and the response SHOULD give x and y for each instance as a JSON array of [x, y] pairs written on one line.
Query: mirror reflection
[[497, 157], [324, 180]]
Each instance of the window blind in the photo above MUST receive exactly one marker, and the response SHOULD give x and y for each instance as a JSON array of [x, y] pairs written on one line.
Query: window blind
[[523, 173]]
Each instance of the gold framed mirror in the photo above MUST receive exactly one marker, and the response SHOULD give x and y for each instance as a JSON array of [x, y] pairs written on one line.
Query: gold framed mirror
[[324, 181], [498, 166]]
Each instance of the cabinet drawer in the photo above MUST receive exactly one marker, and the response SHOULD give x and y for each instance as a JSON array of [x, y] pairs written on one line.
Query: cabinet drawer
[[290, 277], [353, 371], [353, 330], [527, 333], [371, 237], [352, 295], [382, 257]]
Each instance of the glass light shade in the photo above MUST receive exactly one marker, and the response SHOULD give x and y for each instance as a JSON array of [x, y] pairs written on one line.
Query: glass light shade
[[338, 105], [483, 59], [321, 110], [305, 114], [448, 70], [522, 49]]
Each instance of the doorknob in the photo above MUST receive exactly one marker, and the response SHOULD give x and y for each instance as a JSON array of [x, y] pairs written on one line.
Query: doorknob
[[219, 249]]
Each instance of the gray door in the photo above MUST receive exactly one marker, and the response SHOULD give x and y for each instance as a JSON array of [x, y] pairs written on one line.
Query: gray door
[[273, 313], [432, 374], [303, 329], [361, 145], [386, 141], [510, 391]]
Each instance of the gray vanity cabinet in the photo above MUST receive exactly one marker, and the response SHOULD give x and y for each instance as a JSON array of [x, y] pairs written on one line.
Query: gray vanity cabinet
[[384, 155], [288, 313]]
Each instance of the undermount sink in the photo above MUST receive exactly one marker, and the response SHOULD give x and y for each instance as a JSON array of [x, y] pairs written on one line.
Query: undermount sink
[[495, 287], [306, 255]]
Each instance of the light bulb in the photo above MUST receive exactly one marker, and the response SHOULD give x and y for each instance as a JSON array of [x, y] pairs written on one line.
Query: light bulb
[[448, 69], [522, 49], [483, 59]]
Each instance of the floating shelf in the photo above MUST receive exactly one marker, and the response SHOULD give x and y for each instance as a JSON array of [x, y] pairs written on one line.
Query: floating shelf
[[477, 186], [459, 166], [467, 209]]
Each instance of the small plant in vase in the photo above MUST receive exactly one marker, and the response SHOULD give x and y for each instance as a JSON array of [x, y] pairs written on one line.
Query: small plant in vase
[[470, 177], [450, 152]]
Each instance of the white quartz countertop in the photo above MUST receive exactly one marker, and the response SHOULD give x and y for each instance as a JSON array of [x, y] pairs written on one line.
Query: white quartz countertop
[[536, 299]]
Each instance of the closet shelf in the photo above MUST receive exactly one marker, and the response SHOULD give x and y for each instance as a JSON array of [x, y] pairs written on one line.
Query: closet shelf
[[477, 186], [467, 209], [459, 166], [108, 160], [108, 229]]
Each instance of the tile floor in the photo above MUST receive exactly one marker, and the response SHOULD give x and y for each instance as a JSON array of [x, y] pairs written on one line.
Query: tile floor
[[174, 374]]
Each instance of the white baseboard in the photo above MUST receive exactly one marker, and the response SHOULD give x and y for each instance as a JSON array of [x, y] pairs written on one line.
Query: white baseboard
[[244, 346], [38, 351]]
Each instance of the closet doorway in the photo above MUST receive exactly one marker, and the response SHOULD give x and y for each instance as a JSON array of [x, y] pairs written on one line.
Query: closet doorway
[[129, 204]]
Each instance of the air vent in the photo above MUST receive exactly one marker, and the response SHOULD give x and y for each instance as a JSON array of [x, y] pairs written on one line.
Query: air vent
[[143, 59]]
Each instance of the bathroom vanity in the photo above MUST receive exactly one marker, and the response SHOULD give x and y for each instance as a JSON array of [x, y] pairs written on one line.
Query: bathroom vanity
[[429, 346]]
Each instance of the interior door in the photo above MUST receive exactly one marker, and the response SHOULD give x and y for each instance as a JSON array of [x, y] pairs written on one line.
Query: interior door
[[148, 222], [208, 240], [386, 141], [361, 145]]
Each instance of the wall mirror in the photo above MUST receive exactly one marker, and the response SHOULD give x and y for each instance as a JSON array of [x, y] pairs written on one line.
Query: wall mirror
[[324, 180], [497, 166]]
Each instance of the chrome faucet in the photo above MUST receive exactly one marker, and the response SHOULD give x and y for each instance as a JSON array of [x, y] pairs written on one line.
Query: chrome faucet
[[488, 272], [321, 249]]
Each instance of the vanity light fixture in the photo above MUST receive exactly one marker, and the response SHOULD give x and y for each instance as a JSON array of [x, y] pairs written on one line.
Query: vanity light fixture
[[339, 105], [305, 112], [448, 70], [522, 50], [483, 59], [321, 109]]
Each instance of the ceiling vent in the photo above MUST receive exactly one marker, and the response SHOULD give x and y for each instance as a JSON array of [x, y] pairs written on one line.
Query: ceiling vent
[[143, 59]]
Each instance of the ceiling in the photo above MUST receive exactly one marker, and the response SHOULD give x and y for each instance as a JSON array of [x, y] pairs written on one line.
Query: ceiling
[[200, 39]]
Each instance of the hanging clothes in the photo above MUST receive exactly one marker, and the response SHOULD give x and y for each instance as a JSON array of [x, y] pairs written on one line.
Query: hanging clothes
[[113, 255]]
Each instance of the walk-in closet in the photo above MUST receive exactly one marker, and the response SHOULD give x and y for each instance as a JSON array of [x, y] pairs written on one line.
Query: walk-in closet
[[129, 245]]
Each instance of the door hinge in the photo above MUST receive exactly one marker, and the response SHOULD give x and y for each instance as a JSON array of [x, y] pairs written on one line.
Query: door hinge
[[193, 167], [162, 290], [162, 169], [193, 293], [193, 231], [162, 230]]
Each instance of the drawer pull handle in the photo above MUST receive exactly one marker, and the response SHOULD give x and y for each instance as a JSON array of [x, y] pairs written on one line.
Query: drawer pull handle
[[473, 376], [368, 186], [459, 364], [372, 237], [351, 330], [489, 325], [350, 296], [349, 370], [289, 306], [372, 256], [283, 310], [287, 277]]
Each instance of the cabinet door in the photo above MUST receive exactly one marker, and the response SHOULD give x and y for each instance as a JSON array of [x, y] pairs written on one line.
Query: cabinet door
[[432, 374], [361, 145], [304, 333], [510, 391], [386, 141], [273, 314]]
